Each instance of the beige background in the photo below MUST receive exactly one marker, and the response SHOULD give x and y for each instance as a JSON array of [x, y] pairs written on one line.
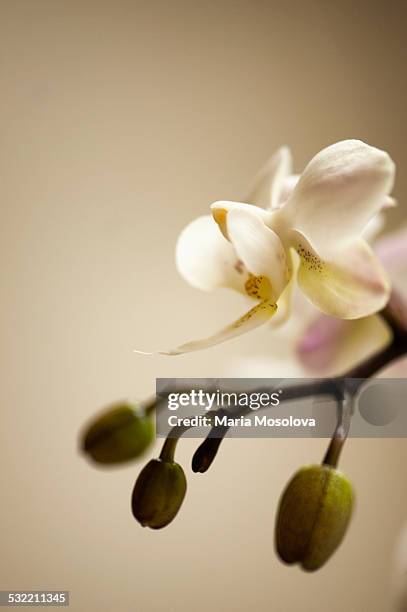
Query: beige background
[[120, 122]]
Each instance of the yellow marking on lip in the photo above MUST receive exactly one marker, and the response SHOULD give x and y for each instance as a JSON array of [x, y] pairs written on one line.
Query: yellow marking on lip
[[258, 287], [268, 307], [220, 214], [311, 261]]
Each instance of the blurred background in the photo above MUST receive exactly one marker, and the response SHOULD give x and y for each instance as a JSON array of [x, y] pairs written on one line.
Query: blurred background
[[120, 122]]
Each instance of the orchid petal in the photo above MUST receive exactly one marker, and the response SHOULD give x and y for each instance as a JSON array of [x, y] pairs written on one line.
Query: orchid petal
[[222, 208], [374, 227], [377, 223], [256, 316], [331, 346], [392, 248], [269, 182], [340, 190], [317, 348], [352, 284], [392, 252], [206, 259], [288, 187], [260, 249], [389, 202], [284, 302]]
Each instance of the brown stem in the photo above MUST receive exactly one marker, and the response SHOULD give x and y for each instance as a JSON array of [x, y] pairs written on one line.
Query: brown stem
[[340, 434], [168, 449]]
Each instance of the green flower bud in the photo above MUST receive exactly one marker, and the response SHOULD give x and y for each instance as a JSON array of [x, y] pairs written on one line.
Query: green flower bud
[[313, 515], [158, 493], [120, 434]]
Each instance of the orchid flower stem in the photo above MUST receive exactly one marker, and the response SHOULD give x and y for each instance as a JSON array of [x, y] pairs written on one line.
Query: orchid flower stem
[[168, 449], [170, 443], [341, 388], [341, 432]]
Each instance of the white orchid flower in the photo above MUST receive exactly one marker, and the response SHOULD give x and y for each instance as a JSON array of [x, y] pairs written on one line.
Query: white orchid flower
[[309, 232]]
